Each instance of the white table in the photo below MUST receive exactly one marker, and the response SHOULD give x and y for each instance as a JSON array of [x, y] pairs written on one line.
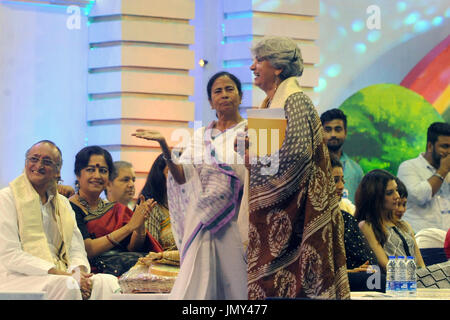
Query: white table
[[140, 296], [422, 294], [23, 295]]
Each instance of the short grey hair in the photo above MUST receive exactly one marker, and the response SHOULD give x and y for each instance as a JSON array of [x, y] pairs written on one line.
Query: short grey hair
[[59, 161], [117, 166], [282, 53]]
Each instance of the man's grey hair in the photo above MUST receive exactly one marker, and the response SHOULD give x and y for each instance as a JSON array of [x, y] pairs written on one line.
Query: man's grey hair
[[117, 166], [59, 161], [282, 53]]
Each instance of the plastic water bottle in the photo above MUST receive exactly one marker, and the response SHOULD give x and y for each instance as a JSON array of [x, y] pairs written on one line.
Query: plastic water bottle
[[411, 276], [401, 284], [390, 276]]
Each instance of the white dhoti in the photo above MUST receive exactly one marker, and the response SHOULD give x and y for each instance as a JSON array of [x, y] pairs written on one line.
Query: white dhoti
[[59, 287]]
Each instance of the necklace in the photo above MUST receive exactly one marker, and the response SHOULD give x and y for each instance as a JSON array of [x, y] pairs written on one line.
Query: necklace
[[98, 211], [269, 100]]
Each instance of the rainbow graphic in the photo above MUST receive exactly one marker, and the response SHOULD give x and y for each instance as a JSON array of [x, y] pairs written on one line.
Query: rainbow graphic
[[431, 77]]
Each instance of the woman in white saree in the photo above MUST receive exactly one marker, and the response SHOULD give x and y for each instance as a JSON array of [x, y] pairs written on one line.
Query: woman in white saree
[[205, 192]]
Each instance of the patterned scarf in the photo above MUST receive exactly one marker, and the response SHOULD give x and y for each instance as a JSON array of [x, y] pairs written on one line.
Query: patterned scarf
[[31, 228]]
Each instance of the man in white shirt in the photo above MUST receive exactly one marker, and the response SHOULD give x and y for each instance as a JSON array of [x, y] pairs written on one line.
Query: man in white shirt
[[41, 248], [428, 183]]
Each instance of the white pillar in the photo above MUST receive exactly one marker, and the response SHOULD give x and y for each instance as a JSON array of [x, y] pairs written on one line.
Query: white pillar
[[139, 62], [247, 21]]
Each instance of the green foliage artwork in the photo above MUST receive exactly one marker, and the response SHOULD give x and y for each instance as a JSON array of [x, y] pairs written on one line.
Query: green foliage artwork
[[446, 114], [387, 124]]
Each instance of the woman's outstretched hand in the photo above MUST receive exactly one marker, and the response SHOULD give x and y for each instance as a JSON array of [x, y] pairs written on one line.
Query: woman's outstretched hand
[[153, 135]]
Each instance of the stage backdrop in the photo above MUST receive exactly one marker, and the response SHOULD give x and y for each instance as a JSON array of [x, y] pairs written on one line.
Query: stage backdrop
[[43, 76], [386, 65], [369, 58]]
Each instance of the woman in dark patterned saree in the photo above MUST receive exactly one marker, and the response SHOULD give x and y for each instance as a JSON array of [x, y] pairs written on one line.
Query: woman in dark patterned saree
[[296, 233]]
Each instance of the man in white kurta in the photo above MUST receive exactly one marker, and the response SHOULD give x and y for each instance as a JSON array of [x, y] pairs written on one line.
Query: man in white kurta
[[46, 254]]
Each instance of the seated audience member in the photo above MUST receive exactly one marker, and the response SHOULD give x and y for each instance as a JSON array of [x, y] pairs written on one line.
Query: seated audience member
[[344, 204], [358, 253], [41, 248], [114, 237], [120, 187], [334, 124], [158, 222], [428, 182], [376, 200], [402, 201]]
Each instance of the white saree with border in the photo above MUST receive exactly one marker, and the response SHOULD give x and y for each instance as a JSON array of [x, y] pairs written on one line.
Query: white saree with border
[[208, 221]]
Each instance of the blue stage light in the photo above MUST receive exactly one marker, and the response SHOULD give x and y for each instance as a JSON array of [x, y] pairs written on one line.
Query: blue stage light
[[374, 35], [322, 85], [401, 6], [411, 18], [357, 25], [437, 21], [333, 70], [360, 47], [421, 26]]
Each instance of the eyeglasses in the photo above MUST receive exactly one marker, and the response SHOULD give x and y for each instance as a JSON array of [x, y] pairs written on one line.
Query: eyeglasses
[[44, 161]]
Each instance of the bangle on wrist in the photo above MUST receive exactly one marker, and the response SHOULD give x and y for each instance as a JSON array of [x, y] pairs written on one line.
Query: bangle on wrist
[[141, 235], [439, 176], [113, 242]]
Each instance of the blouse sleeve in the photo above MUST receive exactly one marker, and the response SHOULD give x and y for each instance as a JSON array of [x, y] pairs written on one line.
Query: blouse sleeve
[[79, 217], [356, 247]]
